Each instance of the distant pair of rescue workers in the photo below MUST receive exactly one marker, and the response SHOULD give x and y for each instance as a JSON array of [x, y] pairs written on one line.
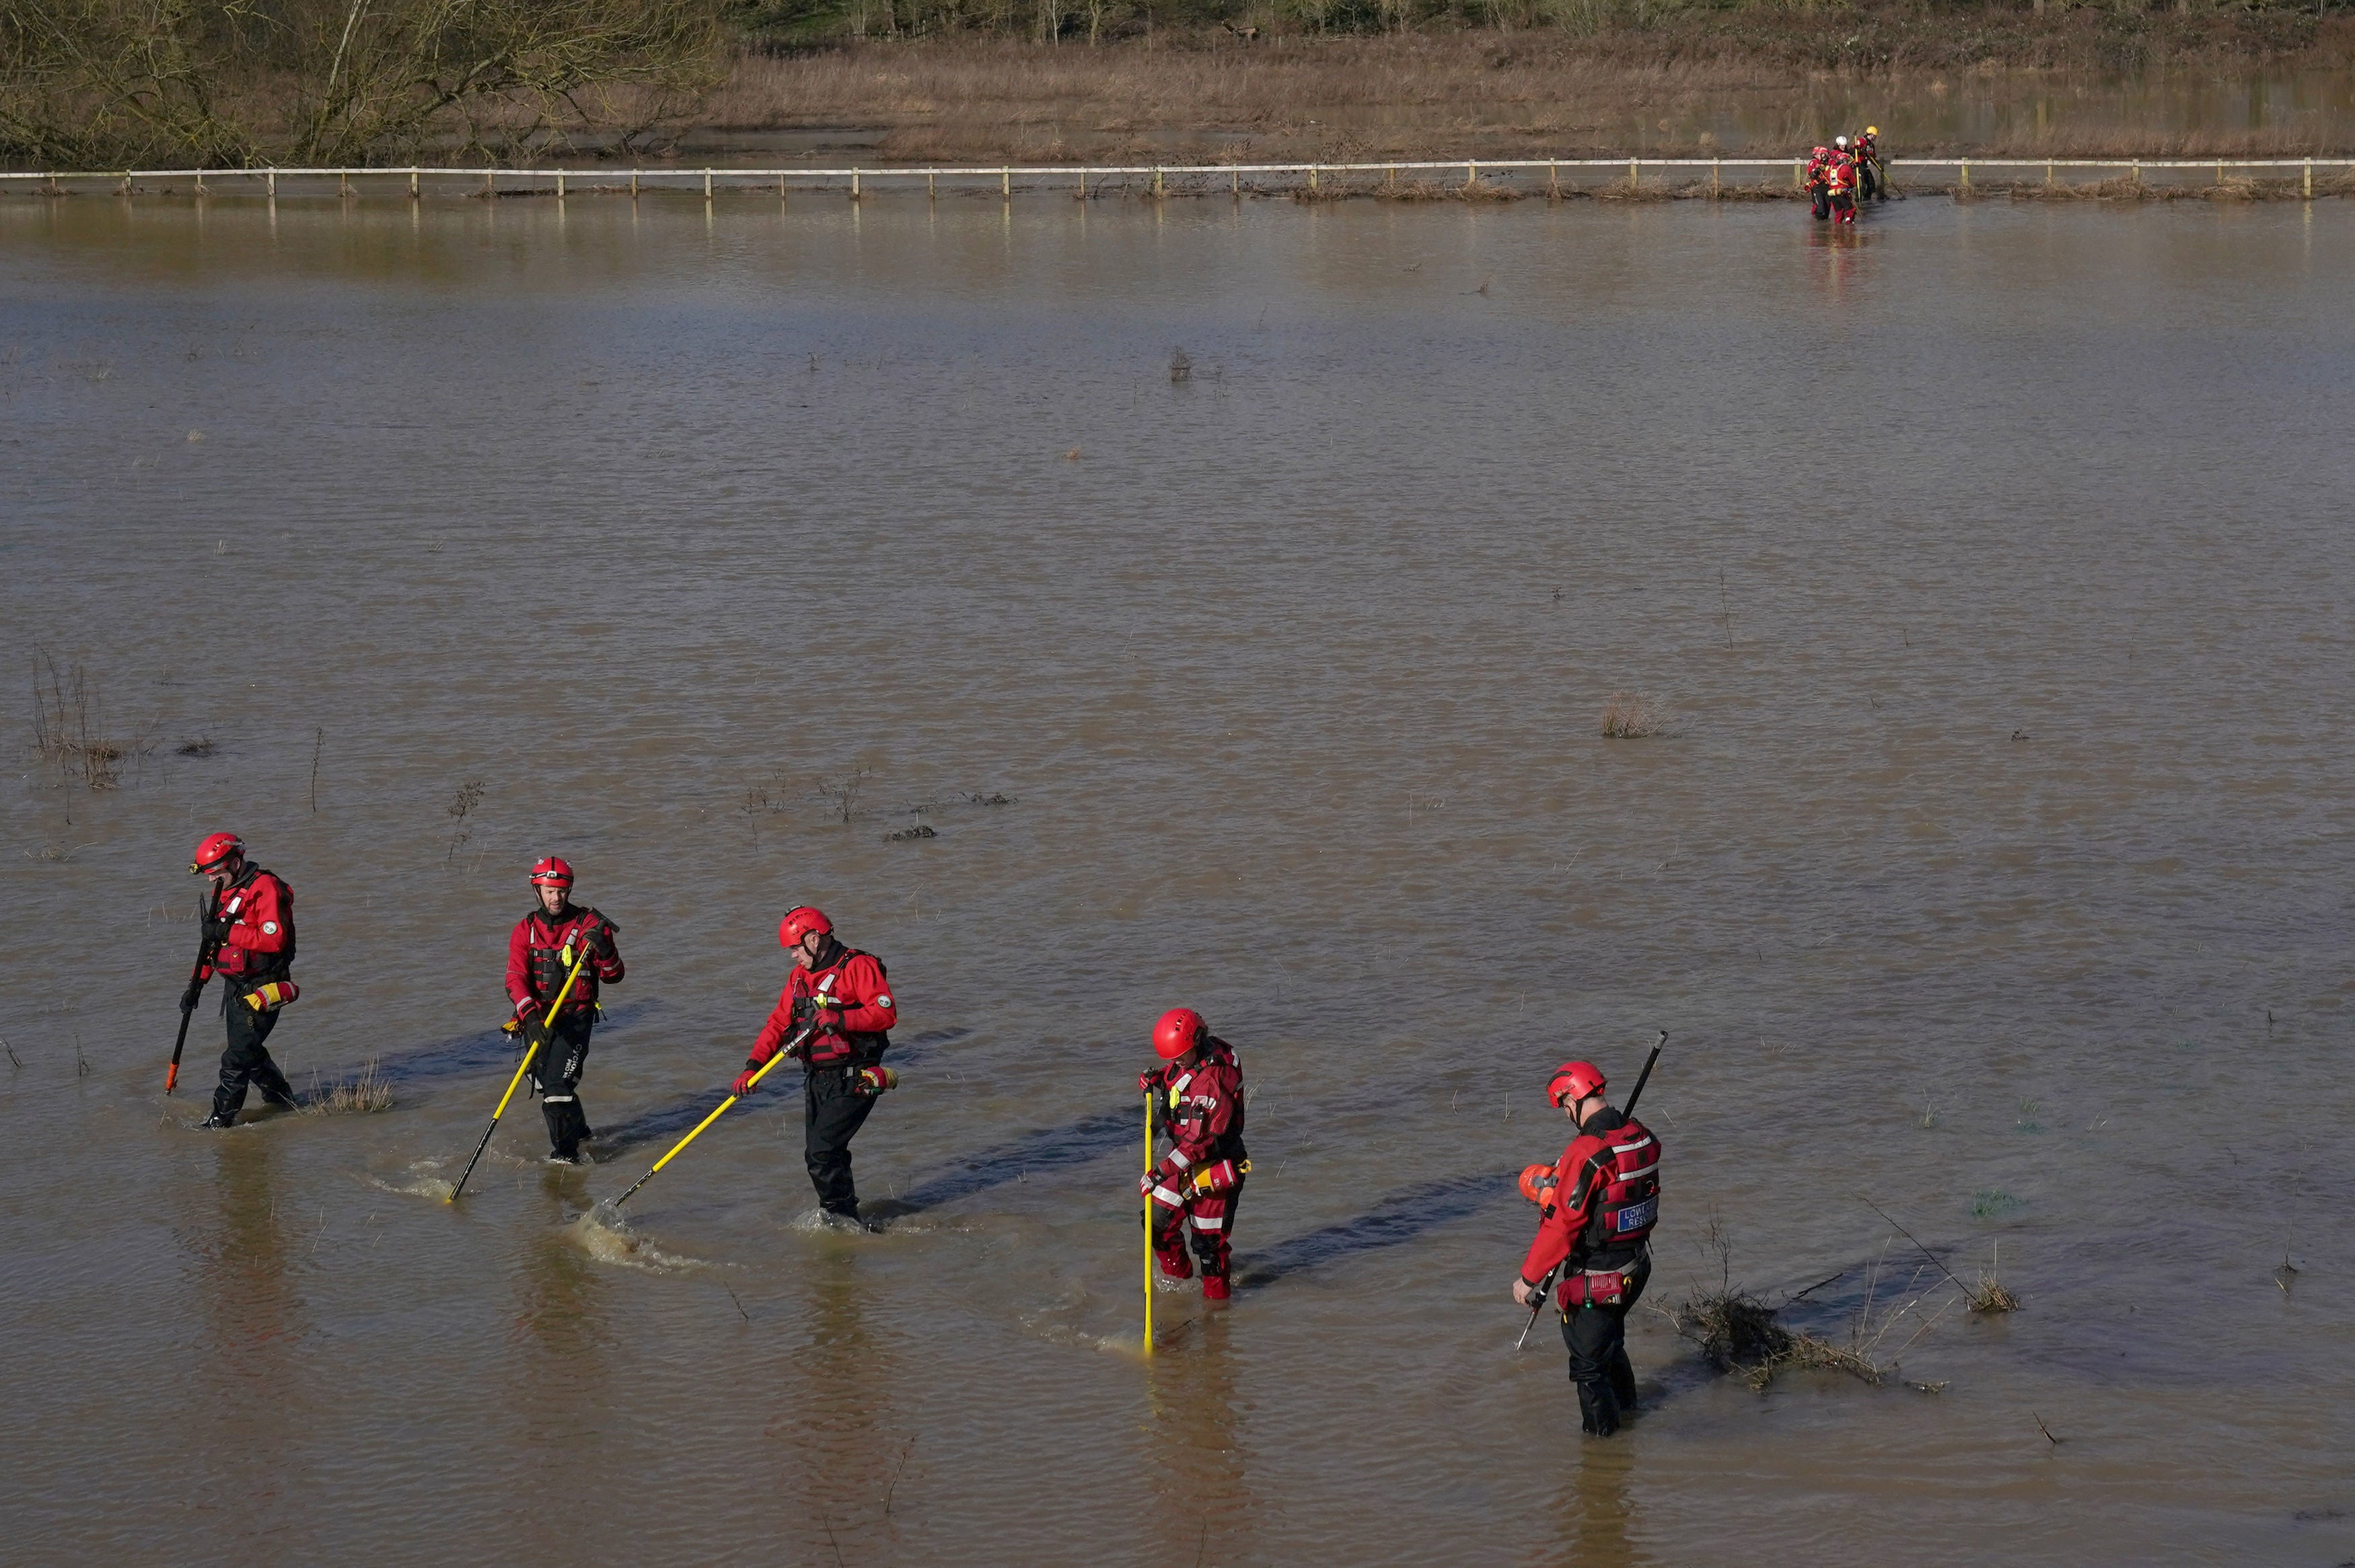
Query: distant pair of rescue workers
[[1846, 173], [1598, 1203]]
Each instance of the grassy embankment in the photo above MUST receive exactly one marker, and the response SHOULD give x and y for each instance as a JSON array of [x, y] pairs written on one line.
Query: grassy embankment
[[1986, 81]]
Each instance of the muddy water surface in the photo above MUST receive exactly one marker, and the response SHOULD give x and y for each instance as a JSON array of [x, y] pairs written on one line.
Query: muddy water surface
[[1991, 568]]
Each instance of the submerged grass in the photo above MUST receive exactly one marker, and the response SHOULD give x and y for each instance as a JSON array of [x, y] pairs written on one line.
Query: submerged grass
[[1633, 715], [366, 1092]]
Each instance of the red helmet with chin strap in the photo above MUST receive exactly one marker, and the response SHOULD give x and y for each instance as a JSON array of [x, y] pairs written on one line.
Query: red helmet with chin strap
[[1573, 1081], [215, 849], [551, 871], [1176, 1031], [800, 924]]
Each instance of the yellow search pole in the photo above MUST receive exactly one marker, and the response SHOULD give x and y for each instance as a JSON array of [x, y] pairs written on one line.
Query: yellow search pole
[[782, 1052], [1148, 1226], [539, 1038]]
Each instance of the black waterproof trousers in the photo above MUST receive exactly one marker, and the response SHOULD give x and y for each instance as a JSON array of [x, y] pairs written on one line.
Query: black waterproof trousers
[[1597, 1338], [556, 1078], [247, 1060], [832, 1110]]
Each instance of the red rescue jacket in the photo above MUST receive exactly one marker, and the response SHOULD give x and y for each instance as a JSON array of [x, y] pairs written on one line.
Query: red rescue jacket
[[537, 962], [858, 1030], [1841, 175], [260, 946], [1622, 1205], [1202, 1110]]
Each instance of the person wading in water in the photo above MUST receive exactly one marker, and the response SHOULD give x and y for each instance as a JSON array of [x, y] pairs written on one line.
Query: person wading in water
[[249, 941], [844, 993], [1198, 1098], [540, 953], [1597, 1222]]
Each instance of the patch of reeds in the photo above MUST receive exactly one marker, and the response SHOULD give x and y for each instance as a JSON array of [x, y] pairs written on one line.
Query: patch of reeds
[[195, 746], [366, 1092], [1989, 1293], [1633, 715], [70, 729]]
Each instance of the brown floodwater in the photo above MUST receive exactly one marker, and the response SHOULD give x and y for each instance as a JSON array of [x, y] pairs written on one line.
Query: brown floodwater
[[1991, 564]]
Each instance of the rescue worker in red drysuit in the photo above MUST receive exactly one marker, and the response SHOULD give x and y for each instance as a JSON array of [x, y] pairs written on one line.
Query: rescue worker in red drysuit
[[1602, 1244], [249, 941], [1839, 181], [540, 954], [844, 995], [1872, 178], [1819, 182], [1198, 1099]]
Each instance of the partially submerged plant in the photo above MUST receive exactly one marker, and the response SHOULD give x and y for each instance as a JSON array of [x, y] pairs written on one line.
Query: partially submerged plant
[[366, 1092], [1632, 716], [1990, 1294], [1738, 1332], [468, 796]]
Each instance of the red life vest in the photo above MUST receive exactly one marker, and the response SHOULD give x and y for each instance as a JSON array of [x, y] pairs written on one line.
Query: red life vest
[[857, 981], [540, 954], [1621, 1216], [260, 946]]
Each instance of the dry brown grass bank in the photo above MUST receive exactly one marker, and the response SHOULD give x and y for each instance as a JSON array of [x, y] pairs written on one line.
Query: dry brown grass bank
[[1660, 92]]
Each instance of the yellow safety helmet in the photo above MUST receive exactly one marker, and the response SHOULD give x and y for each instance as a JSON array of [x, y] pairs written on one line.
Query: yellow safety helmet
[[1872, 129]]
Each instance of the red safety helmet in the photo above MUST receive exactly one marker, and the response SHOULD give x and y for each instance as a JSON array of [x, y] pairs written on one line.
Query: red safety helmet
[[551, 871], [1573, 1081], [215, 849], [1176, 1031], [800, 924], [1537, 1183]]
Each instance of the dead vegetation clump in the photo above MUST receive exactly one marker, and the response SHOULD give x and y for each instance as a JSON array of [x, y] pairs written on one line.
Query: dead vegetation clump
[[366, 1092], [1741, 1335], [70, 727], [1989, 1294], [1738, 1335], [1633, 715]]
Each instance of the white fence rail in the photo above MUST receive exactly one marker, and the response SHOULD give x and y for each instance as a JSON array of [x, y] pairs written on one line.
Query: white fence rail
[[1308, 175]]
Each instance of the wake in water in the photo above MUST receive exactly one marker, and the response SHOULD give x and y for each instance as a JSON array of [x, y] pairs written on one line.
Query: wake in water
[[605, 1236], [415, 1182]]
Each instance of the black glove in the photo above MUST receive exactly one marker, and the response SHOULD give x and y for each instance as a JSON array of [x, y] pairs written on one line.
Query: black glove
[[600, 937], [216, 929], [190, 996]]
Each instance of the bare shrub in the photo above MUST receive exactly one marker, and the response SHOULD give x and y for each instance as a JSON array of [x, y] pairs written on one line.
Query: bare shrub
[[1633, 715], [115, 83], [468, 796], [841, 792]]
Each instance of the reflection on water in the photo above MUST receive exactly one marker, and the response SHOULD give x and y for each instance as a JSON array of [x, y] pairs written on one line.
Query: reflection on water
[[1203, 1508], [241, 1271]]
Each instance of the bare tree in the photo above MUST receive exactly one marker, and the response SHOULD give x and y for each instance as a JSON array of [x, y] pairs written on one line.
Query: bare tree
[[106, 83]]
